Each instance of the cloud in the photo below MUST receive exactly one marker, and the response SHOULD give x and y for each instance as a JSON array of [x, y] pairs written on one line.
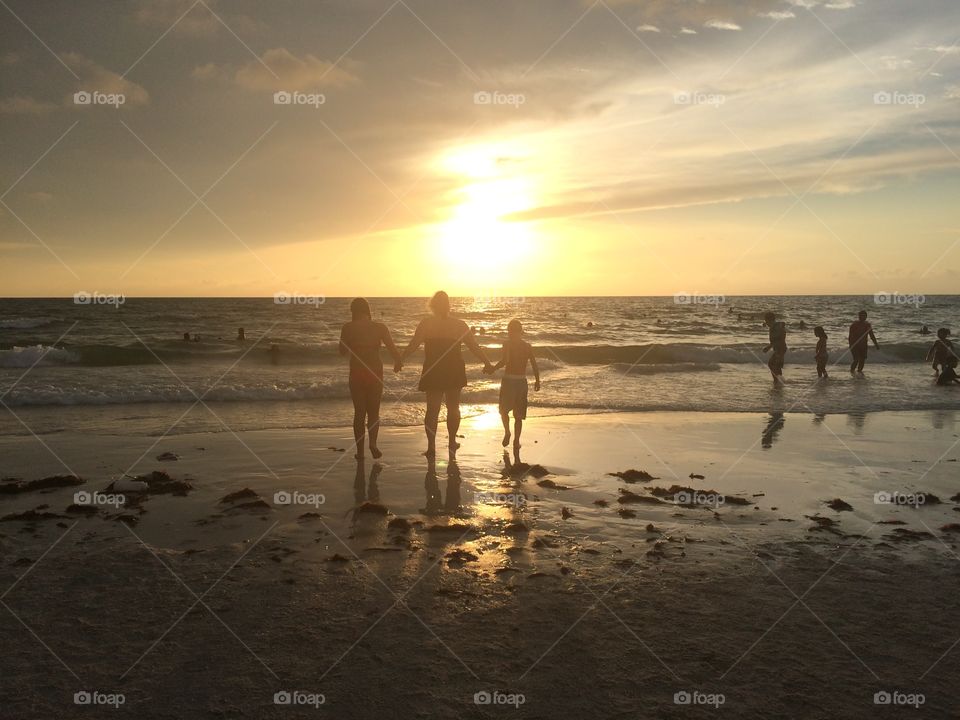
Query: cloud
[[210, 71], [687, 31], [189, 18], [24, 106], [279, 69], [96, 78], [840, 5], [722, 25], [778, 14], [648, 28]]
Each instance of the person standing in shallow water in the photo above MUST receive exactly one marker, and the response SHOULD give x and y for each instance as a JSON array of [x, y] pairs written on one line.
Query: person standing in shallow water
[[860, 331], [778, 343], [361, 339], [444, 375]]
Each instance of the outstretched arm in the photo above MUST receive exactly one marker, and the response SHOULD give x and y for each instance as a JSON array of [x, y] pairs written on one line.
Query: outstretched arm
[[504, 357], [392, 349], [470, 341], [415, 342]]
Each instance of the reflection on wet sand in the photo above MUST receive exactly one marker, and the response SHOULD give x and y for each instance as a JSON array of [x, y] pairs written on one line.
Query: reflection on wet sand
[[774, 425], [435, 504]]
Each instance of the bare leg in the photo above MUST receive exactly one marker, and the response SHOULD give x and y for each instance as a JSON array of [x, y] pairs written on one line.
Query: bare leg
[[374, 395], [434, 399], [517, 429], [505, 417], [359, 416], [453, 417]]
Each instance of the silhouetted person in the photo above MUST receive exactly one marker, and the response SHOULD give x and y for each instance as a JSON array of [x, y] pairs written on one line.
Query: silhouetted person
[[948, 375], [941, 350], [241, 336], [803, 325], [821, 353], [778, 343], [444, 375], [186, 337], [513, 388], [860, 331], [361, 339], [924, 330]]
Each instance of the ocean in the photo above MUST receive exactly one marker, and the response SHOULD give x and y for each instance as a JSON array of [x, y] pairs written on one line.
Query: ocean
[[125, 369]]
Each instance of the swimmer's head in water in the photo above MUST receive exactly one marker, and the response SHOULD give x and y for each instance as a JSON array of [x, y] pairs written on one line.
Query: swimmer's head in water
[[819, 331], [514, 328], [862, 315], [360, 308], [769, 317], [440, 303]]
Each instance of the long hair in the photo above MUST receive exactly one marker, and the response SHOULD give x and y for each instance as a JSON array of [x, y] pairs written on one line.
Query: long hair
[[360, 308], [440, 303]]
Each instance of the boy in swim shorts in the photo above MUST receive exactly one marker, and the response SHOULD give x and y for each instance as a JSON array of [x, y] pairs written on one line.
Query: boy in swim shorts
[[517, 352]]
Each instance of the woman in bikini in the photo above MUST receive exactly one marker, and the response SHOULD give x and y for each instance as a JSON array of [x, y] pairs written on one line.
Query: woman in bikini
[[361, 339], [444, 374]]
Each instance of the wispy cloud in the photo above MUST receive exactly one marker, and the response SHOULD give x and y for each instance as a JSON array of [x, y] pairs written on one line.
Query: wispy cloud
[[722, 25]]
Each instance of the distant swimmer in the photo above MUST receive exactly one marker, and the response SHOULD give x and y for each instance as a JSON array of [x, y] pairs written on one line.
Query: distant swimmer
[[186, 337], [778, 343], [803, 325], [941, 350], [924, 330], [739, 317], [948, 375], [821, 353], [860, 331], [590, 324], [241, 336], [196, 337]]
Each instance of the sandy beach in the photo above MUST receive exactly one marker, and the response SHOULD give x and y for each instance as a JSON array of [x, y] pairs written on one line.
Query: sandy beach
[[270, 561]]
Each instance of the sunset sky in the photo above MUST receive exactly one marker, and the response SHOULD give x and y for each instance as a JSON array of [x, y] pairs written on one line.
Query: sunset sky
[[544, 147]]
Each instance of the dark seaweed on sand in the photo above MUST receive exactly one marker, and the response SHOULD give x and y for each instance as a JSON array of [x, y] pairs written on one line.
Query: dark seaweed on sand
[[632, 476]]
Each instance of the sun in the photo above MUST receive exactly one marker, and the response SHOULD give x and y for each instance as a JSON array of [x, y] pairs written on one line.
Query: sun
[[479, 239]]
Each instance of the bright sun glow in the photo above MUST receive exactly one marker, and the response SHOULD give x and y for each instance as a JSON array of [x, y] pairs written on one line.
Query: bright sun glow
[[477, 242]]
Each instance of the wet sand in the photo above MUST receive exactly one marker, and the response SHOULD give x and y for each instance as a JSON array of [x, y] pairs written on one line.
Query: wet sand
[[403, 589]]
